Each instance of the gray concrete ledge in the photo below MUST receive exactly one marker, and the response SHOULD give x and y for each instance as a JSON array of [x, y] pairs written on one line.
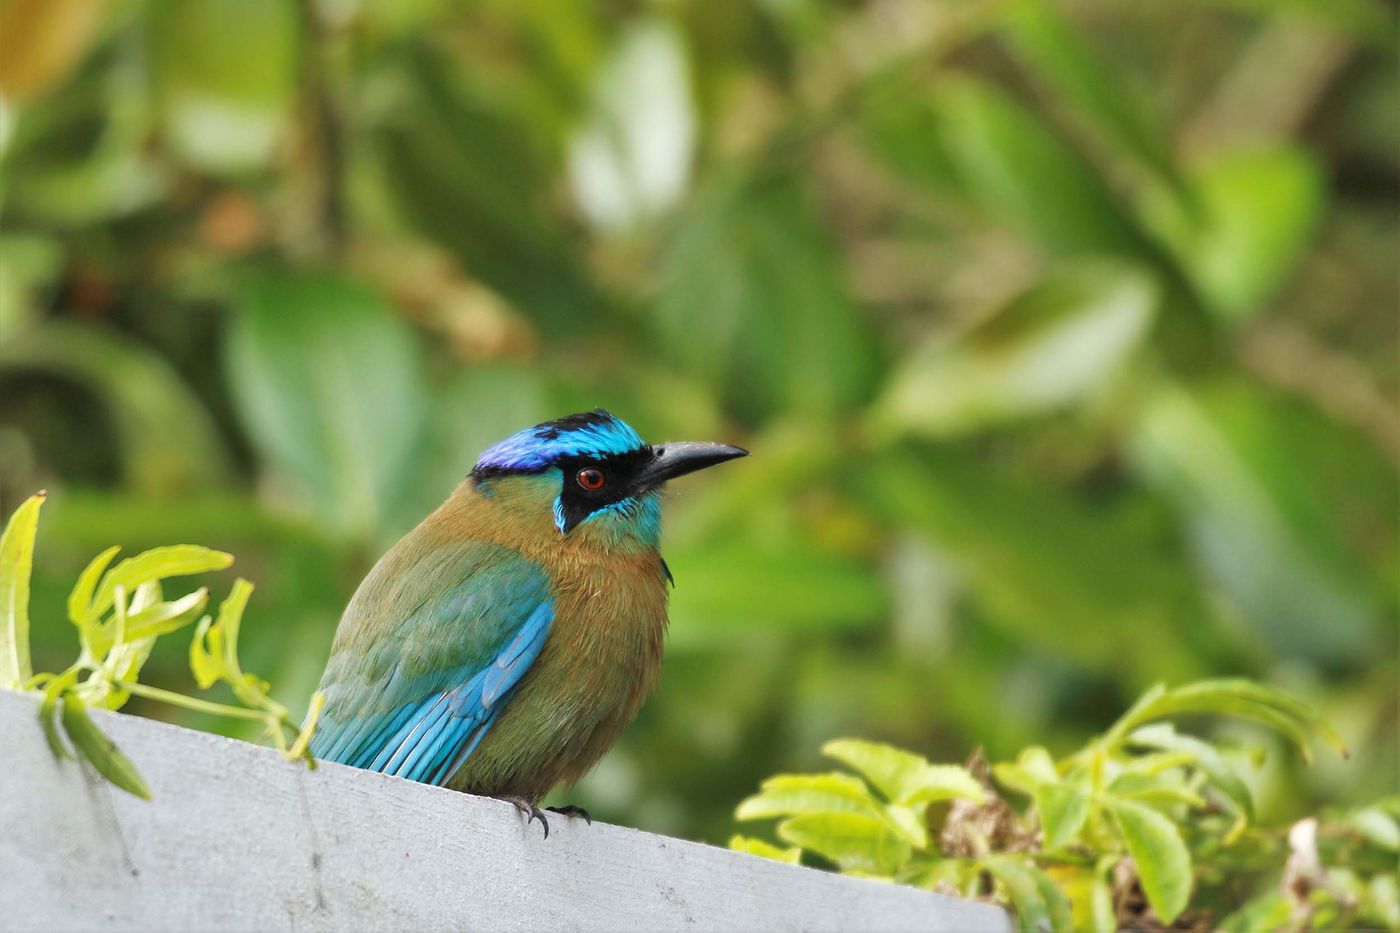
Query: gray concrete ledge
[[238, 839]]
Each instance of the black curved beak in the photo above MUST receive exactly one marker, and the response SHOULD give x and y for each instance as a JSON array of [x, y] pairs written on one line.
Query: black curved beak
[[682, 457]]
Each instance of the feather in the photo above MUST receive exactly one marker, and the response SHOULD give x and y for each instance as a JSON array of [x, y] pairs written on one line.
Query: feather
[[427, 709]]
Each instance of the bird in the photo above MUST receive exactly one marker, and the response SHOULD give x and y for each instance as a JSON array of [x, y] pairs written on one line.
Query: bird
[[501, 647]]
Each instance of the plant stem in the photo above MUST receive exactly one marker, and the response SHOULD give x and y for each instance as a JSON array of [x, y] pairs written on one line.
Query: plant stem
[[191, 703]]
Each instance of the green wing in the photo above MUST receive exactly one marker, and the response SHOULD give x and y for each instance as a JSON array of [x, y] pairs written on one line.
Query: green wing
[[428, 654]]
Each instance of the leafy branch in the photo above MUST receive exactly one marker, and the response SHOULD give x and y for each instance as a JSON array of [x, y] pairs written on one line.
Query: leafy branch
[[119, 612], [1134, 828]]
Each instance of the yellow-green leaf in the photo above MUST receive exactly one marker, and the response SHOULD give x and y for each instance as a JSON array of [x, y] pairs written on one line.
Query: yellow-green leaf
[[894, 771], [1015, 878], [1045, 42], [1063, 809], [81, 598], [1057, 904], [1380, 828], [1102, 917], [1032, 767], [790, 794], [1205, 756], [854, 841], [125, 663], [94, 745], [206, 654], [909, 822], [16, 563], [904, 777], [165, 617], [1163, 789], [231, 620], [792, 856], [156, 564], [1162, 861], [48, 712], [942, 782], [1159, 762], [1230, 697], [1012, 364]]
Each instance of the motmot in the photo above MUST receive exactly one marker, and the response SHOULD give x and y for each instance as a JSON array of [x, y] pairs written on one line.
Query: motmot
[[502, 646]]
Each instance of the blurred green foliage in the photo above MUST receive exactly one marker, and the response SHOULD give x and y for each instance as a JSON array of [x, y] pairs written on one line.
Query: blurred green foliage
[[1063, 335]]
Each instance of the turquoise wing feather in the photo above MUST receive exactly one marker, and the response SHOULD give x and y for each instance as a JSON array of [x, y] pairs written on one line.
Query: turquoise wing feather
[[427, 657]]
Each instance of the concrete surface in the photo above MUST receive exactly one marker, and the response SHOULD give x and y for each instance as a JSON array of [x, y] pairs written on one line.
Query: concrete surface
[[236, 838]]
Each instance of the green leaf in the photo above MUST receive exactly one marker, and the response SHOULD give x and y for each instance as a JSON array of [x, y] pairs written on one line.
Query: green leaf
[[943, 782], [1103, 917], [791, 856], [1157, 763], [1269, 911], [1206, 695], [895, 772], [48, 711], [1162, 861], [1023, 891], [1033, 767], [328, 383], [166, 440], [79, 158], [1046, 43], [179, 560], [1063, 810], [1223, 778], [1250, 220], [224, 72], [80, 600], [166, 617], [124, 663], [1264, 516], [16, 565], [1164, 790], [909, 821], [789, 794], [1379, 827], [1231, 697], [907, 780], [902, 130], [1021, 548], [92, 744], [1057, 903], [206, 654], [1048, 348], [854, 841], [1021, 170], [214, 648], [754, 304]]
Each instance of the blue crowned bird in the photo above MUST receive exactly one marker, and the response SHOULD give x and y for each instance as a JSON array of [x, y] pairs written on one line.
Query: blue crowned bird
[[501, 647]]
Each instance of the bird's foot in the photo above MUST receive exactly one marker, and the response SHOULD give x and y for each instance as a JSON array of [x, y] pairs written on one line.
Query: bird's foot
[[528, 809], [572, 810]]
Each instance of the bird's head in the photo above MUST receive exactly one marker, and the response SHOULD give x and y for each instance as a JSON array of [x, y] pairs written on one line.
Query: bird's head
[[592, 469]]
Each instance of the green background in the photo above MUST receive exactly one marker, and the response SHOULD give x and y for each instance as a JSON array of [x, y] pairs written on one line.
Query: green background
[[1063, 336]]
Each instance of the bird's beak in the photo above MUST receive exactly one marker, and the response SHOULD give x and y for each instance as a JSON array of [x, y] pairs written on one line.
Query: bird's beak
[[682, 457]]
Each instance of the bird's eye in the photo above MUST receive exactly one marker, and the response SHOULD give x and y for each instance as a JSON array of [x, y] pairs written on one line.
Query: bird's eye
[[591, 479]]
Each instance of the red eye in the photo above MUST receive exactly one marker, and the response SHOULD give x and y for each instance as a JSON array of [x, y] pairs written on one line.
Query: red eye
[[591, 479]]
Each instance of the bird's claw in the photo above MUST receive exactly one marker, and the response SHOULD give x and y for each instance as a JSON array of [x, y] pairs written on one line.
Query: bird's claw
[[572, 810], [528, 809]]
